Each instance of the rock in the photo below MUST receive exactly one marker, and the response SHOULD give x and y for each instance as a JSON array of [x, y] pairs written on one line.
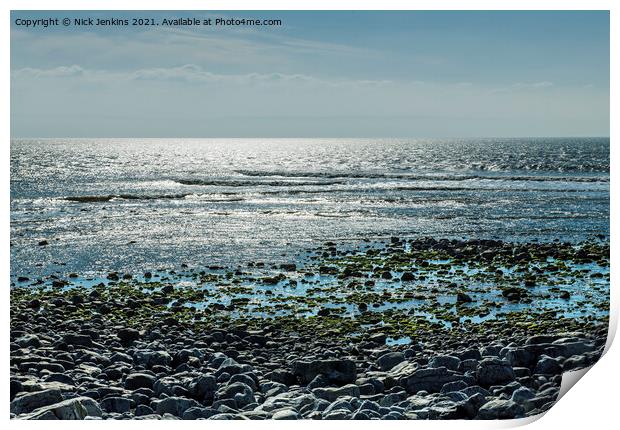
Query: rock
[[319, 381], [241, 393], [203, 387], [139, 380], [142, 410], [152, 358], [166, 385], [282, 376], [430, 380], [323, 312], [331, 394], [548, 366], [77, 339], [128, 335], [175, 406], [389, 360], [199, 412], [31, 401], [500, 409], [453, 386], [337, 371], [29, 340], [514, 294], [447, 361], [522, 394], [78, 408], [16, 387], [229, 366], [564, 295], [378, 338], [493, 371], [245, 378], [463, 298], [116, 404], [285, 414], [407, 277], [540, 339]]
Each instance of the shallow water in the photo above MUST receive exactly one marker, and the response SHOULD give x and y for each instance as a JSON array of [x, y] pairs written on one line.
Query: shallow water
[[140, 204]]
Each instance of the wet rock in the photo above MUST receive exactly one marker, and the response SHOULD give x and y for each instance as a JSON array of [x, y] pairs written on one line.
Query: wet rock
[[139, 380], [29, 341], [331, 394], [116, 404], [493, 371], [176, 406], [203, 387], [522, 394], [407, 277], [430, 380], [282, 376], [152, 358], [196, 412], [241, 393], [77, 339], [143, 410], [78, 408], [286, 414], [548, 366], [498, 409], [337, 371], [447, 361], [128, 335], [389, 360], [29, 402], [463, 298]]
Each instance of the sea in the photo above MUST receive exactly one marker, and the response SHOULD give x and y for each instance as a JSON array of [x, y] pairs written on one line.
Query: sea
[[91, 206]]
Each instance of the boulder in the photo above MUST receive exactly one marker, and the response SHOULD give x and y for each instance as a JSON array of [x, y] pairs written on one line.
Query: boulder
[[493, 371], [241, 393], [152, 358], [128, 335], [72, 409], [498, 409], [175, 406], [139, 380], [389, 360], [331, 394], [31, 401], [548, 366], [447, 361], [337, 371], [116, 404], [430, 380]]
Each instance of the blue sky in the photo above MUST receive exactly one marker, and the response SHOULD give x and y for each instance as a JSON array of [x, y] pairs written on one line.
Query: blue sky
[[320, 74]]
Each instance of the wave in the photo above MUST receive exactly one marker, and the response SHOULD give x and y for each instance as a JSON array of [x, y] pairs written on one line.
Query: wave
[[418, 177], [353, 191], [111, 197], [244, 183]]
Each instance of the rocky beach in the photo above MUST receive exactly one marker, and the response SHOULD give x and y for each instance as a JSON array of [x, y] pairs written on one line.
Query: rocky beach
[[404, 328]]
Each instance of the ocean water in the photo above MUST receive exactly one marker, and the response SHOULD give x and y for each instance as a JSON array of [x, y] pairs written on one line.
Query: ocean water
[[148, 204]]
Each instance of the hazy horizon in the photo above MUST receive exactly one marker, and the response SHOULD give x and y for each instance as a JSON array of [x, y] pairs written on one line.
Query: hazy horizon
[[323, 74]]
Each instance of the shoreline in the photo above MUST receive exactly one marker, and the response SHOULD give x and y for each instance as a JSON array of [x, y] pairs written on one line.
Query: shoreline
[[406, 329]]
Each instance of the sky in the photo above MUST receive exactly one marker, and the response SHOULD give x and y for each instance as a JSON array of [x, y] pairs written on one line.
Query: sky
[[318, 74]]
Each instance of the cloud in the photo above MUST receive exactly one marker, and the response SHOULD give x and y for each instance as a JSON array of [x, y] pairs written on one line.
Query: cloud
[[56, 72], [190, 74], [543, 84]]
